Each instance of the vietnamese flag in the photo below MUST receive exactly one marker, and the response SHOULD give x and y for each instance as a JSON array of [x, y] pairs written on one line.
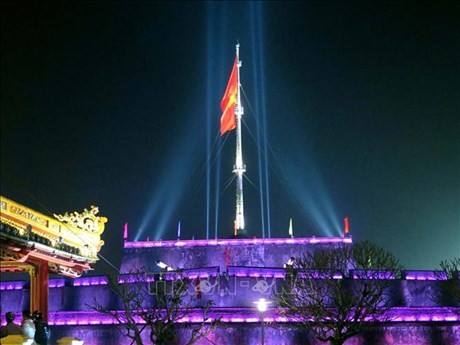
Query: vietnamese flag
[[227, 105]]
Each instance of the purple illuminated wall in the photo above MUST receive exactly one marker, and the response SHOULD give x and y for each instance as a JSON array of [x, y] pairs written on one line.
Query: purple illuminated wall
[[250, 334], [240, 289], [257, 252], [233, 274]]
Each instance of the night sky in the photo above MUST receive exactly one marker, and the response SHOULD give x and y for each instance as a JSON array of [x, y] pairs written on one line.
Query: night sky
[[351, 109]]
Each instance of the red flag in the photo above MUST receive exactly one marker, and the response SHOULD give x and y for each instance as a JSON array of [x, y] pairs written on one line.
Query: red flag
[[346, 229], [227, 105]]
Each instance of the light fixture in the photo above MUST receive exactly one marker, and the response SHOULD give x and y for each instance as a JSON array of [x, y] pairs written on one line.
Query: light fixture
[[262, 305], [164, 266]]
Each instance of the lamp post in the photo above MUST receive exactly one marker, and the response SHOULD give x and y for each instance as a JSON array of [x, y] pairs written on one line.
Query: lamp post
[[262, 304]]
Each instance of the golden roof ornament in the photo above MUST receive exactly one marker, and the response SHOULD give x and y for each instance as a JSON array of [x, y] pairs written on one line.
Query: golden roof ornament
[[87, 220]]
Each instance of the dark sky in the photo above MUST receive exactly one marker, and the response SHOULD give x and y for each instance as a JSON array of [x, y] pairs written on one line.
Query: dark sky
[[351, 109]]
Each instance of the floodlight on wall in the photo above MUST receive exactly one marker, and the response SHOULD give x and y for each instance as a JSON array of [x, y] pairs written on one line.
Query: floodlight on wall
[[164, 266]]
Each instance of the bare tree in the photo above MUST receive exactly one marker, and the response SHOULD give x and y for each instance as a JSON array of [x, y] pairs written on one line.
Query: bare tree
[[448, 293], [338, 293], [156, 307]]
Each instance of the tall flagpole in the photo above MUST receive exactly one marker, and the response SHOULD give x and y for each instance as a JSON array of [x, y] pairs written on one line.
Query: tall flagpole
[[239, 168]]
